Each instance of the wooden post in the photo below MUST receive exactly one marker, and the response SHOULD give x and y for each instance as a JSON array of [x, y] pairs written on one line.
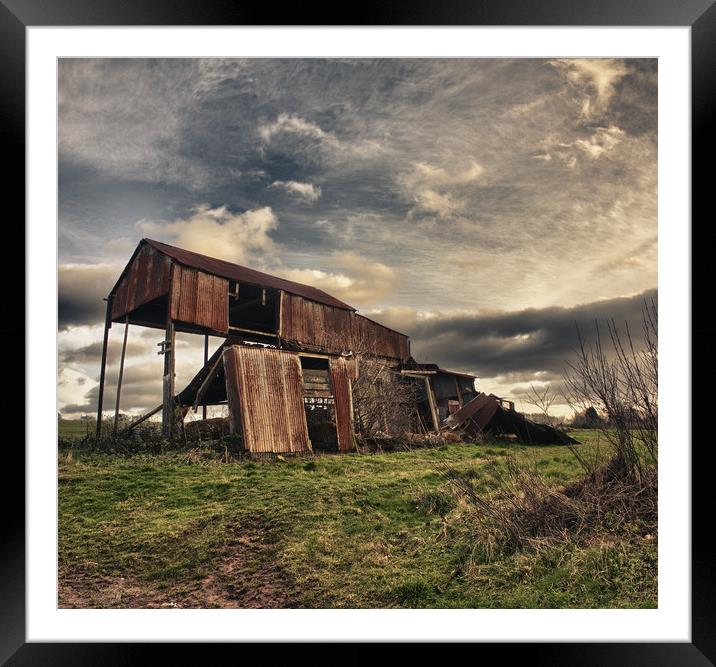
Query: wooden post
[[121, 373], [431, 403], [206, 359], [168, 384], [459, 393], [107, 325]]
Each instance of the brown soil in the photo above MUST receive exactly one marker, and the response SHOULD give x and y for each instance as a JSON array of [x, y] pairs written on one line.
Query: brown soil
[[245, 575]]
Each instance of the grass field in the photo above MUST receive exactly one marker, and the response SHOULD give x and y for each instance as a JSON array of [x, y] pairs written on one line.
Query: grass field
[[356, 530]]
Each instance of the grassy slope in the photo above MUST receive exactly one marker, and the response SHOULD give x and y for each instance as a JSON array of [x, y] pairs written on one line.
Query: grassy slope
[[336, 531]]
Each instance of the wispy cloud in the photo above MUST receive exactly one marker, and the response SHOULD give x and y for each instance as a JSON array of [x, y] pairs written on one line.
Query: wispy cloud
[[306, 191]]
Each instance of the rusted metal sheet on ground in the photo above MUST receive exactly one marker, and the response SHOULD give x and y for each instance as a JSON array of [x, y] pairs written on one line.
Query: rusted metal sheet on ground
[[343, 401], [265, 393], [200, 298], [470, 409], [315, 325], [243, 274], [370, 337], [145, 278]]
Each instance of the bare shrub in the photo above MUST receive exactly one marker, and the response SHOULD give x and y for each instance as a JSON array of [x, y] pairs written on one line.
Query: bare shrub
[[384, 401], [526, 512], [618, 491], [620, 381]]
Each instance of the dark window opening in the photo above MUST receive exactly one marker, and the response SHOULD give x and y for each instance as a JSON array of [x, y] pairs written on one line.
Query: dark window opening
[[318, 404], [254, 308]]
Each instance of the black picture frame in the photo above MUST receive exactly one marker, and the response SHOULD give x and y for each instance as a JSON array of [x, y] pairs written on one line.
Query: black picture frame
[[700, 15]]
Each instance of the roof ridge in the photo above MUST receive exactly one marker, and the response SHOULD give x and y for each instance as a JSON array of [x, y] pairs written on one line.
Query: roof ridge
[[291, 286]]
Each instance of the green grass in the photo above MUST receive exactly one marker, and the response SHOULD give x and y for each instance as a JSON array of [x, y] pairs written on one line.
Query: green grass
[[75, 429], [355, 530]]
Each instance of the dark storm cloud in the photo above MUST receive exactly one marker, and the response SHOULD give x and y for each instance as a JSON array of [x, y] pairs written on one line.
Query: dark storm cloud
[[515, 344], [81, 290], [90, 354]]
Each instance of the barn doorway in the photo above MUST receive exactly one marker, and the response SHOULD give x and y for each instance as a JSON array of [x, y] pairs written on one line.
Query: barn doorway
[[318, 403]]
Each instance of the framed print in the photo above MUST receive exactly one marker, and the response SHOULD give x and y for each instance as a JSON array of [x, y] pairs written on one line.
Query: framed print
[[352, 334]]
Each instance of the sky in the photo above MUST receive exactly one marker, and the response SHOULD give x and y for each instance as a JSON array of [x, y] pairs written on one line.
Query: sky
[[481, 206]]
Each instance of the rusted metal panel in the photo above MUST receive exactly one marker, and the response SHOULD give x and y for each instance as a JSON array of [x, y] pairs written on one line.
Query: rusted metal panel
[[243, 274], [320, 327], [476, 405], [200, 298], [145, 278], [315, 325], [370, 337], [265, 386], [232, 389], [343, 402]]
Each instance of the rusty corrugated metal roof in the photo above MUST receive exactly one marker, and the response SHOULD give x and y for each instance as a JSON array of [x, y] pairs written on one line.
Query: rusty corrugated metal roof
[[412, 365], [244, 274]]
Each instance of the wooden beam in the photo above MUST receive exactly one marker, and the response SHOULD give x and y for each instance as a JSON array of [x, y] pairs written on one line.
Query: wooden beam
[[459, 393], [206, 359], [168, 380], [139, 420], [433, 407], [121, 373], [252, 331], [207, 381], [103, 367]]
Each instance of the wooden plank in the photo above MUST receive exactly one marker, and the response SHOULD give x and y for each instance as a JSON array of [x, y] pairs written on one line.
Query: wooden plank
[[139, 420], [431, 402], [168, 378], [103, 366], [121, 373], [207, 381]]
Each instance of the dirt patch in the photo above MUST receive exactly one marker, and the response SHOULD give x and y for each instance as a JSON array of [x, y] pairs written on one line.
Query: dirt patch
[[80, 588], [245, 575]]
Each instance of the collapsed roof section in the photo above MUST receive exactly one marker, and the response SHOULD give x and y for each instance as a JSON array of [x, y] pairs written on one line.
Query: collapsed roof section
[[488, 414]]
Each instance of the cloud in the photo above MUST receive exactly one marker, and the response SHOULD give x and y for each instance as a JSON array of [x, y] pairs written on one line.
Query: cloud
[[432, 188], [305, 191], [355, 279], [514, 347], [293, 124], [299, 137], [442, 205], [426, 173], [91, 354], [596, 77], [480, 183], [218, 232], [602, 141], [78, 381], [81, 290]]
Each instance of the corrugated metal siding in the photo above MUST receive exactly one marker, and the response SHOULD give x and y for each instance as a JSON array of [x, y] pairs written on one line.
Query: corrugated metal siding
[[232, 391], [315, 325], [341, 373], [243, 274], [200, 298], [369, 337], [269, 389], [145, 279]]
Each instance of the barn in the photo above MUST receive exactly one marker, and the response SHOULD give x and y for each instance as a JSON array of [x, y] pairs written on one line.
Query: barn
[[289, 355]]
